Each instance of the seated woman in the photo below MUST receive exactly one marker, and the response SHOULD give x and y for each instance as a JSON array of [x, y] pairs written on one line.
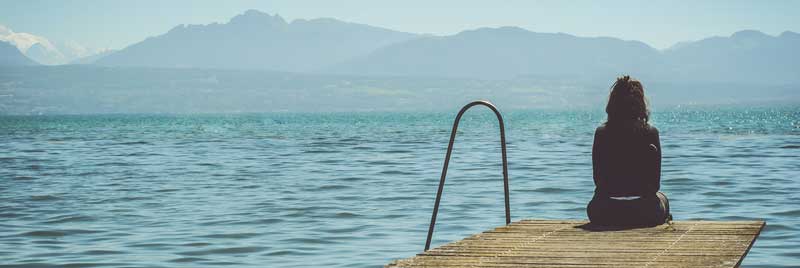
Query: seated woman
[[626, 158]]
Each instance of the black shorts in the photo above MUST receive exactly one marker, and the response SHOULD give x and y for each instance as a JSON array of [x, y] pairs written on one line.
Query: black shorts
[[645, 211]]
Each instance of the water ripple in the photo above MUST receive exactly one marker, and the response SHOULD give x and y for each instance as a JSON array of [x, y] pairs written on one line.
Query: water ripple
[[354, 190]]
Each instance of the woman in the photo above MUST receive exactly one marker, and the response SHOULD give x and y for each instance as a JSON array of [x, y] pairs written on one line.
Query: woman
[[626, 158]]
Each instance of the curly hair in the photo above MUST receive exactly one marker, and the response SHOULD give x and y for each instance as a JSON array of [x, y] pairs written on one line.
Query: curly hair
[[627, 103]]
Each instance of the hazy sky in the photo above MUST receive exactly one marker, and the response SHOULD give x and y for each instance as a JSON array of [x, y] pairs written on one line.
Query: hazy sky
[[116, 24]]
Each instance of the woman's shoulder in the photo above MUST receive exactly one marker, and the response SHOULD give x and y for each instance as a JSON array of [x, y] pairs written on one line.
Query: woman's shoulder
[[600, 129], [651, 129]]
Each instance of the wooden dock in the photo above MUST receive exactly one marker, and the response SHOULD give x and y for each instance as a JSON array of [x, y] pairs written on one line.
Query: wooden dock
[[559, 243]]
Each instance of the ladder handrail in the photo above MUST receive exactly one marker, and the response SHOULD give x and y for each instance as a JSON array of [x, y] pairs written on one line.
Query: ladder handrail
[[447, 161]]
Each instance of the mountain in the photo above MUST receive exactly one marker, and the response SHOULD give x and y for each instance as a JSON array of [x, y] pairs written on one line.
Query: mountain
[[256, 40], [506, 52], [44, 54], [44, 51], [744, 57], [11, 56], [35, 47]]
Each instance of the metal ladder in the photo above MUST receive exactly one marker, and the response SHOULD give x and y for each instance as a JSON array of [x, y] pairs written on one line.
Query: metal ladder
[[447, 161]]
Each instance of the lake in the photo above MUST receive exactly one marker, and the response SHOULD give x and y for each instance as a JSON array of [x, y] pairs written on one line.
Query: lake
[[356, 189]]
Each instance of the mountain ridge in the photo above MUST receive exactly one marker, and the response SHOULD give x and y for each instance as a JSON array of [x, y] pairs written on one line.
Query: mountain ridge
[[11, 56], [501, 52], [257, 40], [746, 56]]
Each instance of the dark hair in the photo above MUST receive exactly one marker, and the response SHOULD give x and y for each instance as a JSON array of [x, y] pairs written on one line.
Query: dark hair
[[626, 103]]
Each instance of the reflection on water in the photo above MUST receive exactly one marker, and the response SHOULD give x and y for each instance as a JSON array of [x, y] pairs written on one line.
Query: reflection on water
[[354, 190]]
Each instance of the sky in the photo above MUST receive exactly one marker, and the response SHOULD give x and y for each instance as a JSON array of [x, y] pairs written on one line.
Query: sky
[[116, 24]]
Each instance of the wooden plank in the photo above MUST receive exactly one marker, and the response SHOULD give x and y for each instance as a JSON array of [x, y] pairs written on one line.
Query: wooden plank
[[569, 243]]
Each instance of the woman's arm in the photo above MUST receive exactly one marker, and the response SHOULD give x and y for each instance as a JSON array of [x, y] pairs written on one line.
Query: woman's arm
[[595, 158], [655, 167]]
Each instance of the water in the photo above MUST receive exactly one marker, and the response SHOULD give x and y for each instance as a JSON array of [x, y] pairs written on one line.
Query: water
[[354, 190]]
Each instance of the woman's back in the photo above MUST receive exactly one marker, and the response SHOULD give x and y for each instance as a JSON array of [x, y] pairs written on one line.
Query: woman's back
[[626, 160]]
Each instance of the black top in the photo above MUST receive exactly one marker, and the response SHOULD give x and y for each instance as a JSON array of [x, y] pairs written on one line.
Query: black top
[[626, 161]]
